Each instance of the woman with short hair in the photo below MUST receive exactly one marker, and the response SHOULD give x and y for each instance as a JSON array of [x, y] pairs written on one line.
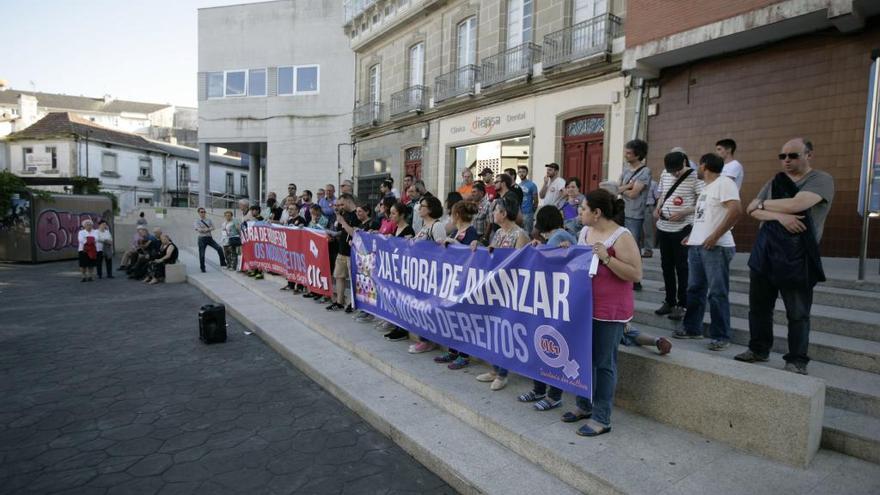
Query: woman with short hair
[[105, 249], [87, 250], [167, 256]]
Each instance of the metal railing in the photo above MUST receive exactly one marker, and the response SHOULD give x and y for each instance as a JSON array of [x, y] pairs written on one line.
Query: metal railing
[[509, 64], [368, 114], [411, 99], [584, 39], [461, 81]]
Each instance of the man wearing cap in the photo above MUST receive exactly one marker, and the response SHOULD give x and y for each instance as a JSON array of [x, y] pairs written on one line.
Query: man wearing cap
[[488, 175], [553, 187]]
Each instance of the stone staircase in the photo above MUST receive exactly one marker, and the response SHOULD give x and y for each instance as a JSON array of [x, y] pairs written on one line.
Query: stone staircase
[[682, 420], [844, 348]]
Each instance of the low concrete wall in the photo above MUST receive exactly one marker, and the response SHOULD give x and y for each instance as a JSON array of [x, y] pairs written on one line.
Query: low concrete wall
[[770, 412]]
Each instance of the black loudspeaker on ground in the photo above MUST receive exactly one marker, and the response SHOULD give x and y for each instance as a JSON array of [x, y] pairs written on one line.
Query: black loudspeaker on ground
[[212, 323]]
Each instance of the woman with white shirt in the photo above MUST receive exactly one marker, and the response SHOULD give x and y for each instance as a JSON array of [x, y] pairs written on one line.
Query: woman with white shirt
[[88, 250], [105, 249]]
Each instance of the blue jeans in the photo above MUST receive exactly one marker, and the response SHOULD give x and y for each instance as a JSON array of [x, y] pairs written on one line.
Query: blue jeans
[[204, 241], [762, 304], [606, 337], [709, 269], [634, 225], [528, 222]]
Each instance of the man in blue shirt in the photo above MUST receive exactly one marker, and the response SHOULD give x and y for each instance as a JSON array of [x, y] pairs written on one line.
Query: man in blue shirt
[[530, 197]]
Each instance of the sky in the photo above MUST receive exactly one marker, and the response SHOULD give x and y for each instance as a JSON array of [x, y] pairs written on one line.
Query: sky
[[142, 50]]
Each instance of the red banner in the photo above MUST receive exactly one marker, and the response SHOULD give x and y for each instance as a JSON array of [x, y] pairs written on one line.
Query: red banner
[[300, 255]]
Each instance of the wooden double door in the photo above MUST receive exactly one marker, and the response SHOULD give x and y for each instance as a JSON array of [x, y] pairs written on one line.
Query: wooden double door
[[583, 150]]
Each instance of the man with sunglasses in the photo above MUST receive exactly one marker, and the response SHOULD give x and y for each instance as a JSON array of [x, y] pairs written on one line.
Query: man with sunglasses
[[814, 197]]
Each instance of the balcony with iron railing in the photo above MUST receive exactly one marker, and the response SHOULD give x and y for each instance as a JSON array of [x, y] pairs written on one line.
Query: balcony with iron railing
[[368, 114], [510, 64], [411, 99], [461, 81], [582, 40]]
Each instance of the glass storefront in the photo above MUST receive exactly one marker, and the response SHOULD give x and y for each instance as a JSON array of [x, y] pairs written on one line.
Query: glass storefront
[[497, 155]]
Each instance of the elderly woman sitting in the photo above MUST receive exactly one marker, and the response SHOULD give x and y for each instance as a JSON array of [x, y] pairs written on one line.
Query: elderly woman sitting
[[167, 256], [140, 236]]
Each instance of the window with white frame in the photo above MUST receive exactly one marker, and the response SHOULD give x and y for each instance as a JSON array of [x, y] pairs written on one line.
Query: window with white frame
[[519, 22], [145, 200], [236, 82], [307, 77], [467, 41], [108, 163], [24, 157], [584, 10], [146, 168], [417, 65], [285, 80], [256, 83], [215, 85], [374, 84]]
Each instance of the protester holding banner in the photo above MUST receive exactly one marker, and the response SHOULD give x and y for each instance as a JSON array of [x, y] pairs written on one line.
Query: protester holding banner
[[230, 239], [347, 222], [398, 214], [365, 215], [549, 227], [620, 264], [484, 209], [508, 235], [386, 226], [430, 211]]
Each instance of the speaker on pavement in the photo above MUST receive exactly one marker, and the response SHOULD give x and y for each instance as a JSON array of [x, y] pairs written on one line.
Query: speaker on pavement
[[212, 323]]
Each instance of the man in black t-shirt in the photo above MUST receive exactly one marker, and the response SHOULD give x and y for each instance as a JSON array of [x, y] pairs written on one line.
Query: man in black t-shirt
[[346, 223]]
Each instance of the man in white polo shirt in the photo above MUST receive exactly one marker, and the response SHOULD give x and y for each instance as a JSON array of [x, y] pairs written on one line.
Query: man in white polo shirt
[[710, 250], [553, 187]]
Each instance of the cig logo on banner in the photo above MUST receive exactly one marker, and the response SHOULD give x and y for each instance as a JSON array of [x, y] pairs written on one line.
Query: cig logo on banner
[[552, 348]]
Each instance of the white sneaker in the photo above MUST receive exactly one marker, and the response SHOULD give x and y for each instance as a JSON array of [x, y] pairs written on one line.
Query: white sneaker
[[487, 377], [499, 383]]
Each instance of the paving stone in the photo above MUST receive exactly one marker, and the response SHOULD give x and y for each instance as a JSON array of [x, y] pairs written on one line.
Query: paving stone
[[139, 405]]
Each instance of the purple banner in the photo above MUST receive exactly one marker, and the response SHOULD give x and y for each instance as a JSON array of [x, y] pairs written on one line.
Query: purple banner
[[528, 310]]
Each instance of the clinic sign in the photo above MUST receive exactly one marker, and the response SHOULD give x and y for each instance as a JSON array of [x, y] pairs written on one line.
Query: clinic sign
[[501, 119]]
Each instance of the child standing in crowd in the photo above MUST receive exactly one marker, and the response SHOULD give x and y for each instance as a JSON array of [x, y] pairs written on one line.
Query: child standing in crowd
[[230, 239], [620, 266], [462, 218], [508, 235]]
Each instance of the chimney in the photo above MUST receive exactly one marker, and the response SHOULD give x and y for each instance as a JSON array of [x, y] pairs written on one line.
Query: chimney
[[27, 111]]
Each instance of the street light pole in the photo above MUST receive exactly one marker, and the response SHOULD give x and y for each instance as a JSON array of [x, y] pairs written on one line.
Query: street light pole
[[871, 150]]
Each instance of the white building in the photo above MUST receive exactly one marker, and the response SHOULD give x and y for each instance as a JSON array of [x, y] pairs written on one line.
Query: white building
[[275, 82], [20, 109], [139, 171]]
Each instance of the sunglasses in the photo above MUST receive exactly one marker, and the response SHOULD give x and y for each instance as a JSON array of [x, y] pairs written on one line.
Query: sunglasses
[[790, 156]]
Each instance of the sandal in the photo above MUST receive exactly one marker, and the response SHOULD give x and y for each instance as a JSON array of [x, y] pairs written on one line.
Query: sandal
[[593, 429], [546, 404], [572, 417], [531, 396]]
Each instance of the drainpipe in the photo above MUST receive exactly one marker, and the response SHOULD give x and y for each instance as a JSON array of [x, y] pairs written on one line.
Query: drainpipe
[[639, 104]]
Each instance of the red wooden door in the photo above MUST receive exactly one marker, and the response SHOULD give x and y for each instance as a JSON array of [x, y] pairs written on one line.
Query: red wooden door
[[575, 164], [593, 175]]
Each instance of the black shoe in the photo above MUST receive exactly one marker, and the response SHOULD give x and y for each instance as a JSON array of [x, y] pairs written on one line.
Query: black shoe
[[750, 357], [334, 307], [110, 276], [637, 286], [203, 270], [397, 334], [84, 280], [349, 309], [677, 313], [309, 295], [663, 310]]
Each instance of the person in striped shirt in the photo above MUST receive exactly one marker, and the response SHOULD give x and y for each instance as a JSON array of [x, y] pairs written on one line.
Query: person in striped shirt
[[677, 198]]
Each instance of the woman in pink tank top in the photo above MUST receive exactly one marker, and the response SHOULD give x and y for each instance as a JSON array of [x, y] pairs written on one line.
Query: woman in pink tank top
[[620, 264]]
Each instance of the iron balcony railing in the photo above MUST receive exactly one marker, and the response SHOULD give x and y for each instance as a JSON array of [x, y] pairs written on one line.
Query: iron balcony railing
[[461, 81], [510, 64], [584, 39], [411, 99], [367, 114]]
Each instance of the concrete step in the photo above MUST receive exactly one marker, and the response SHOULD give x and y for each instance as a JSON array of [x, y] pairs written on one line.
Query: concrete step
[[823, 294], [466, 458], [852, 433], [829, 348], [852, 400], [829, 319]]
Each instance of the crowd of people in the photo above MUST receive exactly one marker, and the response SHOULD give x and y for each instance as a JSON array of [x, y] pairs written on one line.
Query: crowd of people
[[689, 212]]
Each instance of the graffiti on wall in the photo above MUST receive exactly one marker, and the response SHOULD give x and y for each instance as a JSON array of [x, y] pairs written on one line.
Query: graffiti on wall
[[57, 230]]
